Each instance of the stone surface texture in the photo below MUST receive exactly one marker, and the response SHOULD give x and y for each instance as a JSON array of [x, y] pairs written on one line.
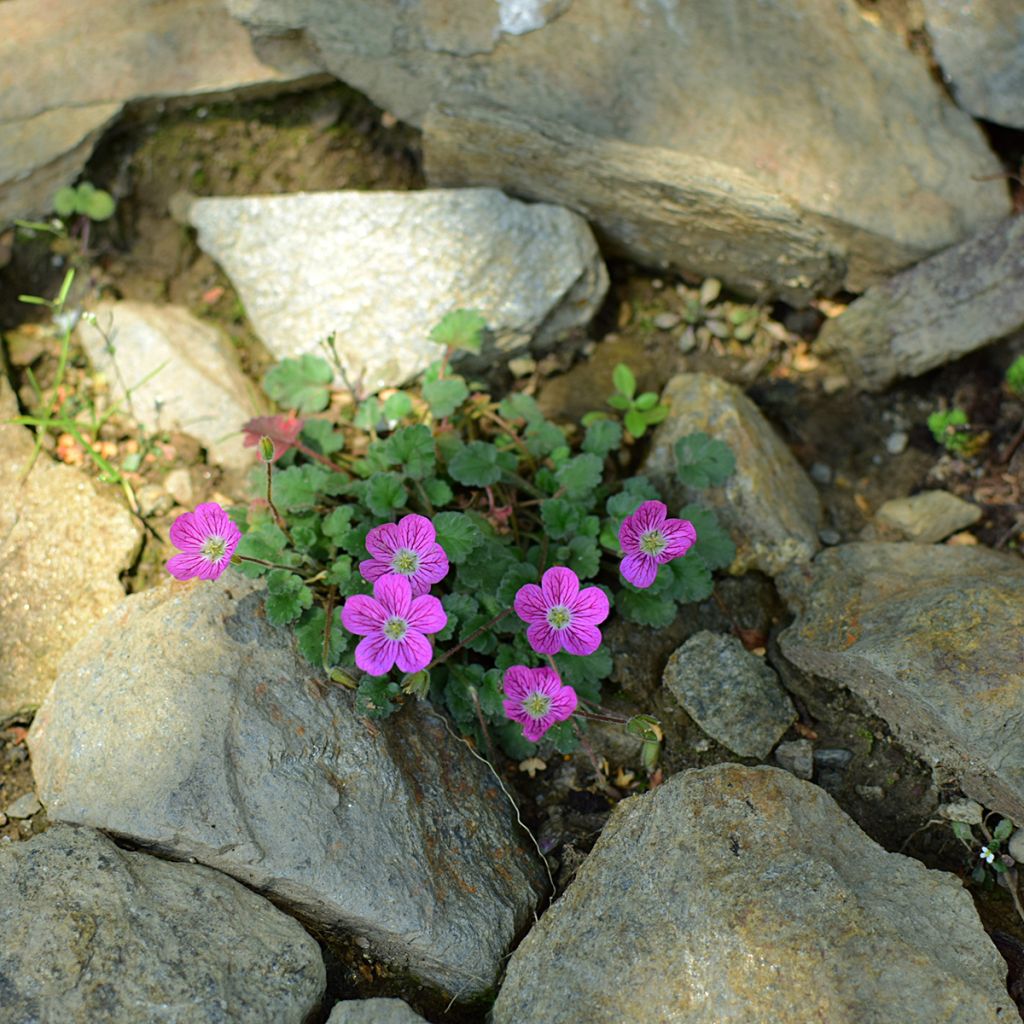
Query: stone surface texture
[[380, 269], [231, 752], [374, 1011], [90, 932], [64, 540], [925, 518], [813, 103], [67, 71], [733, 695], [980, 47], [932, 638], [768, 504], [733, 894], [946, 306], [183, 374]]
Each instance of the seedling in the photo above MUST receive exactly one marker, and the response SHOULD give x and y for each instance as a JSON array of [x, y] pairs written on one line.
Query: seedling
[[640, 411]]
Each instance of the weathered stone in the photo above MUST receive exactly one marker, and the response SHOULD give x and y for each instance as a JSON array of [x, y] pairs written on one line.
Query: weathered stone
[[63, 543], [89, 932], [968, 811], [65, 76], [373, 1011], [932, 638], [734, 894], [231, 753], [946, 306], [24, 807], [733, 695], [797, 757], [925, 518], [769, 504], [380, 269], [183, 373], [863, 144], [980, 47]]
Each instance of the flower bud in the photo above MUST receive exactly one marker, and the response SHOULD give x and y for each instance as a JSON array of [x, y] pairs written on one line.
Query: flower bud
[[266, 449]]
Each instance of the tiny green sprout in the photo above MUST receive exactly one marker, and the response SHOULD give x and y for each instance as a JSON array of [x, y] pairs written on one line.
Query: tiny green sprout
[[640, 411], [84, 200], [945, 425], [1015, 376]]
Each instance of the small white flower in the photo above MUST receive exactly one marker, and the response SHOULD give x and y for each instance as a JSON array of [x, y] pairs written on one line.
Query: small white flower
[[987, 855]]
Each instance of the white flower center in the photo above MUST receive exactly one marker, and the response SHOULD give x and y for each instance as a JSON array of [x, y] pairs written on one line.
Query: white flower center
[[213, 548], [395, 628], [653, 542], [405, 561], [559, 616], [537, 705]]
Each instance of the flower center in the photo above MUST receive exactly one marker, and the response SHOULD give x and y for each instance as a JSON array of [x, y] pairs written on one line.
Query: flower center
[[653, 542], [213, 548], [395, 628], [405, 562], [559, 616], [537, 705]]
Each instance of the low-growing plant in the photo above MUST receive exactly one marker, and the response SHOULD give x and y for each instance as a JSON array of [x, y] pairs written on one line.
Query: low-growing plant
[[84, 200], [1015, 376], [442, 543], [638, 411], [948, 427]]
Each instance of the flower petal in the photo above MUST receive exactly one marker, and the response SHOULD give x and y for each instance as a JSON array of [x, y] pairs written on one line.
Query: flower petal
[[382, 541], [395, 593], [529, 603], [543, 639], [185, 532], [373, 568], [433, 564], [563, 703], [376, 654], [414, 651], [415, 532], [519, 682], [589, 607], [426, 614], [534, 728], [640, 570], [185, 566], [559, 586], [580, 638], [363, 615], [681, 536]]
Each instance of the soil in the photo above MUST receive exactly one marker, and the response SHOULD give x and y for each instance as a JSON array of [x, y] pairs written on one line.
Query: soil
[[333, 138]]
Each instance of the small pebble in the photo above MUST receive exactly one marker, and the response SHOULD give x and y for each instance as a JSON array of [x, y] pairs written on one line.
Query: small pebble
[[666, 321], [834, 383], [821, 473], [797, 757], [153, 500], [702, 745], [178, 484], [873, 793], [833, 757], [522, 366], [24, 807], [829, 536], [968, 811], [896, 443], [3, 819], [687, 340]]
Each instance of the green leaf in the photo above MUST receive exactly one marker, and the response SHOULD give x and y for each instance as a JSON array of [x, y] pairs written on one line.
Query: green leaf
[[584, 557], [656, 415], [585, 673], [457, 534], [560, 517], [620, 402], [368, 415], [310, 634], [603, 436], [580, 476], [287, 597], [713, 544], [645, 402], [563, 736], [645, 608], [412, 448], [702, 461], [322, 436], [476, 465], [515, 577], [1003, 830], [65, 201], [542, 438], [518, 406], [636, 423], [624, 381], [266, 542], [437, 491], [691, 579], [486, 569], [962, 831], [386, 492], [513, 742], [337, 525], [298, 486], [462, 328], [303, 384], [445, 396], [397, 406], [375, 697], [97, 205], [459, 608]]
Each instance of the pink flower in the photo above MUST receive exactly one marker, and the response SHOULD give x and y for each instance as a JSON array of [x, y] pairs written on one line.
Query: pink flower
[[559, 614], [282, 430], [207, 539], [407, 549], [536, 698], [648, 540], [393, 623]]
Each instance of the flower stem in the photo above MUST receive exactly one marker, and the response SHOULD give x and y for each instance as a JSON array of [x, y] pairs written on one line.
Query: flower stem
[[469, 639], [282, 525]]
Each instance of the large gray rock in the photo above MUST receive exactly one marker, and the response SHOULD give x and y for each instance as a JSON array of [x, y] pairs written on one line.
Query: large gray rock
[[90, 932], [932, 638], [731, 895], [830, 115], [380, 269], [769, 503], [182, 372], [64, 541], [231, 753], [980, 47], [67, 71], [941, 309], [733, 695]]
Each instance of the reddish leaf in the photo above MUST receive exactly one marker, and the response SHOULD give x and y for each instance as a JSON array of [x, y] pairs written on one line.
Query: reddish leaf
[[282, 430]]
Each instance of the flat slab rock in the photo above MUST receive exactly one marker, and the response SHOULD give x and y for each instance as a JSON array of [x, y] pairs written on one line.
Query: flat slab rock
[[923, 518], [61, 534], [733, 894], [380, 269], [932, 638], [90, 932], [229, 751], [769, 504]]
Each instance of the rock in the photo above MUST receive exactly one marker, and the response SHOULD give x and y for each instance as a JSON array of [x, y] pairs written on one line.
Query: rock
[[231, 753], [178, 484], [733, 894], [980, 47], [63, 543], [968, 811], [66, 77], [24, 807], [797, 757], [833, 758], [92, 932], [931, 639], [946, 306], [896, 443], [183, 372], [897, 172], [821, 473], [385, 267], [1015, 847], [731, 694], [373, 1011], [769, 504], [926, 517]]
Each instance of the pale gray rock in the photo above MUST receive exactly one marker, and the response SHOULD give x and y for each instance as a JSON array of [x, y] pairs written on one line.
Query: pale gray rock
[[948, 305], [373, 1011], [1015, 847], [380, 269], [733, 695], [926, 517], [980, 47], [830, 115], [231, 752], [24, 807], [932, 639], [64, 541], [797, 757], [769, 504], [66, 76], [182, 372], [968, 811], [90, 932], [732, 894]]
